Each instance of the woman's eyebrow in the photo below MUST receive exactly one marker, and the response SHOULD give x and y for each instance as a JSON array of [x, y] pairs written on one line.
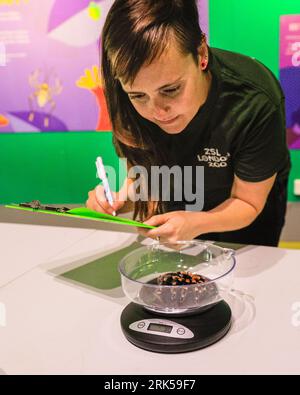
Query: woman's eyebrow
[[158, 89]]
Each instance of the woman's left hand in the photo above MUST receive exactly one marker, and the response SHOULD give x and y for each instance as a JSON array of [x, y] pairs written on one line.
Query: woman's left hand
[[172, 226]]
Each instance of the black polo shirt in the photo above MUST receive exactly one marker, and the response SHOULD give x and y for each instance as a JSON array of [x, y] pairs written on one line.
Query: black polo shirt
[[239, 130]]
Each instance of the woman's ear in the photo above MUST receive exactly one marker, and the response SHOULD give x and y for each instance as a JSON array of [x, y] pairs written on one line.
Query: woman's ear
[[203, 54], [203, 58]]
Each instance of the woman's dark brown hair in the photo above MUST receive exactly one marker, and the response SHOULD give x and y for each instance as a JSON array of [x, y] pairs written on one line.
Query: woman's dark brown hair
[[135, 33]]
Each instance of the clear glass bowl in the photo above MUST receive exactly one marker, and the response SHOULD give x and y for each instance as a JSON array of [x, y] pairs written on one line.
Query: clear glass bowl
[[141, 268]]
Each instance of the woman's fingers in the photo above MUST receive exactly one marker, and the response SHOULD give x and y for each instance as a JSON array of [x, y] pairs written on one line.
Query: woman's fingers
[[93, 204], [97, 201], [156, 220], [162, 232]]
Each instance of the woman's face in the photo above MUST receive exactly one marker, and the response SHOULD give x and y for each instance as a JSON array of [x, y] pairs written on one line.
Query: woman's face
[[170, 91]]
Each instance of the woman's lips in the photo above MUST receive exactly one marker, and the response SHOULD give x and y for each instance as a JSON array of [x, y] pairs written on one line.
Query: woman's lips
[[168, 121]]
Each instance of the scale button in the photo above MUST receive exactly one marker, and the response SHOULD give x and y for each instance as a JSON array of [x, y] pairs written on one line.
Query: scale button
[[180, 331], [141, 325]]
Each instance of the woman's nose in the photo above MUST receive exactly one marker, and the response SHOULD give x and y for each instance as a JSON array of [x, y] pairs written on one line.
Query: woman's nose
[[160, 109]]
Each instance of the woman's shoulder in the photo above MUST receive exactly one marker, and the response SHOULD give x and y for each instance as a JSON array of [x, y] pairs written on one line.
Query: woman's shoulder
[[244, 71]]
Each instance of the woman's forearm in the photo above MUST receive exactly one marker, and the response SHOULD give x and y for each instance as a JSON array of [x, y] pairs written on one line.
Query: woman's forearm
[[232, 214]]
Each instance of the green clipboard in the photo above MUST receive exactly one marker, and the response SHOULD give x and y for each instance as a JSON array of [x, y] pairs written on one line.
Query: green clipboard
[[85, 213]]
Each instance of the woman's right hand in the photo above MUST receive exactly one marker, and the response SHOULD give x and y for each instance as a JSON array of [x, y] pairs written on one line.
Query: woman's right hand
[[97, 201]]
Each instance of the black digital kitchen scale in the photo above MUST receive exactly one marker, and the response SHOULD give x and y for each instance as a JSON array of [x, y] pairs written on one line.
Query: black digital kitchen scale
[[177, 295], [175, 334]]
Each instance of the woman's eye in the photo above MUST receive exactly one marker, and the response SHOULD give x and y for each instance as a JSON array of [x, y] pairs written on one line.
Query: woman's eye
[[167, 92], [172, 91], [137, 97]]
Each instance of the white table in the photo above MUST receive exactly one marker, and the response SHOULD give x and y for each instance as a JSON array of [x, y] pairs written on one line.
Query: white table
[[56, 326]]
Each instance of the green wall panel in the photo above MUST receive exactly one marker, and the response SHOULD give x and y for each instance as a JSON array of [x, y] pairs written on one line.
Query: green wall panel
[[251, 27], [52, 167]]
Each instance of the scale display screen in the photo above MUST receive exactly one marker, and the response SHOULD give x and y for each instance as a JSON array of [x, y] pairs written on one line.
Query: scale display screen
[[160, 328]]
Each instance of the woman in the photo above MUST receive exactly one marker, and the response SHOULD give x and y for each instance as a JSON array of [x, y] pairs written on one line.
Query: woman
[[172, 101]]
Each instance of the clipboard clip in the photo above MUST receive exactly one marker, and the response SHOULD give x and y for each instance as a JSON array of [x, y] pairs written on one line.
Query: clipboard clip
[[37, 205]]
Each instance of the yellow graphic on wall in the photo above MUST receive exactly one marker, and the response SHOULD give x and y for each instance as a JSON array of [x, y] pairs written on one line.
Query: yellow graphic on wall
[[42, 95], [92, 81], [94, 11]]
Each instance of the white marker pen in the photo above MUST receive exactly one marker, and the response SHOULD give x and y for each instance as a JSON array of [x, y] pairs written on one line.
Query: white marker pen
[[102, 175]]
